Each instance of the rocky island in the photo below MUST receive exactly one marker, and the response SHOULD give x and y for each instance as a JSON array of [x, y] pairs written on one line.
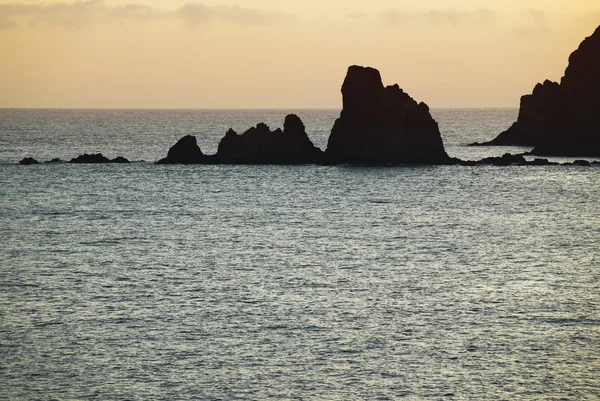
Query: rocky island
[[382, 125], [562, 119], [260, 145]]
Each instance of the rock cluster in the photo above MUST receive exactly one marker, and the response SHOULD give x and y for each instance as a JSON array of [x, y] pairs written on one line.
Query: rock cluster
[[96, 158], [382, 125], [562, 119], [260, 145]]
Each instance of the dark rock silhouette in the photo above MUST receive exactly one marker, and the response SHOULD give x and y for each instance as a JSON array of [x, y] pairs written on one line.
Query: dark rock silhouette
[[54, 160], [260, 145], [27, 161], [185, 151], [96, 158], [583, 163], [382, 125], [562, 119], [119, 159], [542, 162], [505, 160]]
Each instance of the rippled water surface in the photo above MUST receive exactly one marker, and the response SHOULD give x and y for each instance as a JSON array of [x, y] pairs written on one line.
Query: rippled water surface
[[140, 282]]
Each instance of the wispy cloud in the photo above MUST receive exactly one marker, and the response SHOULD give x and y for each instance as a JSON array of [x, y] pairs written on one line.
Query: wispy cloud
[[536, 16], [82, 13], [198, 13], [438, 17], [534, 22]]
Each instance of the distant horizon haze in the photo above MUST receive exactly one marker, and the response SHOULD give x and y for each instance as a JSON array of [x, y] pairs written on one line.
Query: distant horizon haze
[[263, 54]]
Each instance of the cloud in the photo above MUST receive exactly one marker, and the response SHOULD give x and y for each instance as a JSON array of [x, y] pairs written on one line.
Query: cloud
[[536, 16], [198, 13], [436, 17], [87, 12], [534, 23]]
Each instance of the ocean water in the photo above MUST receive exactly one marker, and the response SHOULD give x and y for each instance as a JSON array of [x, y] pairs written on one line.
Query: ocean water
[[146, 282]]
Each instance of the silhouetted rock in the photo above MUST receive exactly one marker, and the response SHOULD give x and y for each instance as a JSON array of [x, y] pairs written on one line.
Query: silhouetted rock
[[54, 160], [96, 158], [583, 163], [260, 145], [562, 119], [506, 160], [119, 159], [185, 151], [542, 162], [382, 125], [27, 161], [90, 158]]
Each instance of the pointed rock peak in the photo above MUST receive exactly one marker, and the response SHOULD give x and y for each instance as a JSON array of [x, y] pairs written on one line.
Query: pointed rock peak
[[188, 140], [262, 127], [185, 151], [293, 125]]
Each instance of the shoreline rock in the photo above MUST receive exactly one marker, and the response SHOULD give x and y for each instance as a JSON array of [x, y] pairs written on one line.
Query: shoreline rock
[[562, 119]]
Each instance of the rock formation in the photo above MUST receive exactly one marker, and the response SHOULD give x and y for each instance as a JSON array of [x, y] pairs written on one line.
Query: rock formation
[[563, 119], [382, 125], [96, 158], [260, 145], [27, 161], [185, 151]]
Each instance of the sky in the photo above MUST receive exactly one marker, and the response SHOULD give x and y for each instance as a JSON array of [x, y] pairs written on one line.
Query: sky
[[276, 54]]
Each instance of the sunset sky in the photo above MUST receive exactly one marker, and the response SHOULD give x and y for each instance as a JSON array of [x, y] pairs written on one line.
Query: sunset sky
[[275, 54]]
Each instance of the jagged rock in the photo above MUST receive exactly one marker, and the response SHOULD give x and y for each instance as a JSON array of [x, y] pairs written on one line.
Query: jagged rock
[[382, 125], [185, 151], [563, 119], [54, 160], [260, 145], [96, 158], [27, 161], [90, 158], [506, 160]]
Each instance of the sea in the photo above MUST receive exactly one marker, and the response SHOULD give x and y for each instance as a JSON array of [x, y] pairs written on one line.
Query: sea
[[170, 282]]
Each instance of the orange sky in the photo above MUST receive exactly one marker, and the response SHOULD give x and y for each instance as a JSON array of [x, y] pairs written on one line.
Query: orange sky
[[266, 53]]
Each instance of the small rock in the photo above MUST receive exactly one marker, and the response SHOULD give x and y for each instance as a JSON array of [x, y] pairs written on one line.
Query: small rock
[[185, 151], [27, 161]]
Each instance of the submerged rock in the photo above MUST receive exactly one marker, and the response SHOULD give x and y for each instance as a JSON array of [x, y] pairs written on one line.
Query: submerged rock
[[382, 125], [185, 151], [562, 119], [27, 161], [260, 145]]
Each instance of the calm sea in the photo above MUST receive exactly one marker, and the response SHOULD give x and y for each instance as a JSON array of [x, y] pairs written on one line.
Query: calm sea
[[146, 282]]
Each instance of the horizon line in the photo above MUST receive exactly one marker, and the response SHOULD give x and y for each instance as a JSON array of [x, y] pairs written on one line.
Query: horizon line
[[241, 108]]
